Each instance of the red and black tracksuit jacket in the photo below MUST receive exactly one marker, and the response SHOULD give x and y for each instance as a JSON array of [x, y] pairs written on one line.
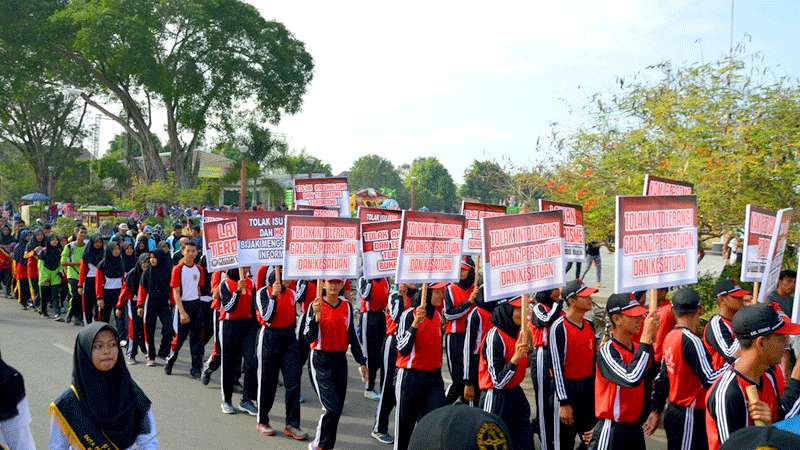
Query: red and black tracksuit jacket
[[684, 376], [720, 341], [237, 330], [456, 309], [726, 403], [397, 304], [542, 318], [374, 296], [479, 322]]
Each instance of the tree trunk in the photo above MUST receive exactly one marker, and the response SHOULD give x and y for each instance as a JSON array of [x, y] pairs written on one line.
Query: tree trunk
[[182, 164]]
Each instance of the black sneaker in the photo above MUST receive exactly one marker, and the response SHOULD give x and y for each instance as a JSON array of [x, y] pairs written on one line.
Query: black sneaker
[[195, 374], [205, 378], [168, 367], [249, 407]]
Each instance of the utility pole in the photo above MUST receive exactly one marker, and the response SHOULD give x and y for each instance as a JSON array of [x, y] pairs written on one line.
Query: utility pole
[[413, 192]]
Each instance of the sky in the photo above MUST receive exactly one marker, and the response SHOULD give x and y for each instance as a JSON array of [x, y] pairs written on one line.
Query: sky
[[483, 80]]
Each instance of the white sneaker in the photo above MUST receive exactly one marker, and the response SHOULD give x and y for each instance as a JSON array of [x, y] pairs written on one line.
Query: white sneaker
[[372, 395], [227, 408]]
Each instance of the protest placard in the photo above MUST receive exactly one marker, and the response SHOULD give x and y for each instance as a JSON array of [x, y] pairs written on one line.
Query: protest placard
[[367, 214], [430, 247], [473, 212], [574, 240], [321, 248], [777, 246], [522, 254], [222, 239], [212, 216], [319, 211], [261, 236], [379, 244], [796, 303], [657, 186], [758, 226], [325, 192], [656, 240]]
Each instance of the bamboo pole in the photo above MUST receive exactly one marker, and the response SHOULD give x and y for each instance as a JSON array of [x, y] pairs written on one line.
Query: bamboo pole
[[752, 397], [756, 287], [319, 296], [653, 296]]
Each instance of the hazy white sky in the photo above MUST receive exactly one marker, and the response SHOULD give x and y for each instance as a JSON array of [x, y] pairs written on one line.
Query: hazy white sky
[[465, 80]]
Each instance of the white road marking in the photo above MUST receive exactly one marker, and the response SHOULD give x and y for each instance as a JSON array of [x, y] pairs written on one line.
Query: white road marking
[[63, 347]]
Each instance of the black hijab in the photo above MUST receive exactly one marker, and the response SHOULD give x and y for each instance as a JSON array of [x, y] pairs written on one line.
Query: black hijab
[[6, 239], [111, 265], [416, 300], [34, 242], [543, 297], [470, 280], [12, 390], [128, 261], [233, 274], [113, 401], [480, 303], [503, 318], [134, 276], [19, 250], [158, 277], [52, 253], [143, 250], [93, 255]]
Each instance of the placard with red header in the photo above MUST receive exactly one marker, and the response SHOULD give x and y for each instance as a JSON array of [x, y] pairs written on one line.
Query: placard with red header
[[379, 244], [212, 216], [574, 237], [473, 212], [321, 247], [656, 239], [368, 214], [522, 254], [326, 192], [777, 247], [657, 186], [222, 238], [430, 247], [261, 236], [758, 226]]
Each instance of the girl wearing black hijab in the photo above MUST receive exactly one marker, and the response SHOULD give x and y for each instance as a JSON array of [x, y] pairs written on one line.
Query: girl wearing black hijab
[[126, 306], [129, 258], [141, 246], [86, 279], [108, 283], [459, 301], [153, 304], [6, 249], [24, 287], [15, 416], [32, 251], [50, 274], [103, 407]]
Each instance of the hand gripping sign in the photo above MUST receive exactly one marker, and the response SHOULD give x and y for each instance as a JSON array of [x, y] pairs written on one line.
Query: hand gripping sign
[[574, 241], [522, 254], [321, 248], [758, 226], [657, 186], [323, 192], [473, 213], [656, 241], [379, 244], [777, 246], [430, 247]]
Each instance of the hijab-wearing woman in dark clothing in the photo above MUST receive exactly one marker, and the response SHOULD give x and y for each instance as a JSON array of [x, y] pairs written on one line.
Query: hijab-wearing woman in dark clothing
[[141, 246], [86, 279], [50, 275], [6, 250], [15, 417], [129, 257], [24, 287], [126, 306], [32, 251], [153, 304], [103, 407], [108, 282]]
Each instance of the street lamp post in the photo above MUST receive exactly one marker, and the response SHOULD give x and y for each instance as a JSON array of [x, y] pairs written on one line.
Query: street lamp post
[[413, 191]]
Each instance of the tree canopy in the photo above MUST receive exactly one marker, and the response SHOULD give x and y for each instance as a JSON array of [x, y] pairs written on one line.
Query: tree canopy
[[433, 185], [487, 182]]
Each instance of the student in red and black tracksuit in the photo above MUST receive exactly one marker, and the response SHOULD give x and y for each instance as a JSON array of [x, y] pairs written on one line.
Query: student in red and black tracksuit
[[306, 292], [479, 322], [127, 302], [205, 297], [548, 309], [622, 366], [399, 301], [152, 304], [24, 287], [718, 336], [86, 277], [108, 281], [459, 299], [262, 275], [329, 328], [277, 352], [238, 328], [213, 362], [374, 296], [187, 320], [763, 336], [504, 358], [419, 387], [572, 354], [684, 376]]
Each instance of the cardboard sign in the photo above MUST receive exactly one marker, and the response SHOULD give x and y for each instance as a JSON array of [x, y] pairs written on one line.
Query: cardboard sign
[[379, 244], [222, 238], [430, 247], [656, 241], [758, 226], [212, 216], [367, 214], [657, 186], [261, 236], [321, 247], [319, 211], [522, 254], [326, 192], [777, 245], [473, 213], [574, 238]]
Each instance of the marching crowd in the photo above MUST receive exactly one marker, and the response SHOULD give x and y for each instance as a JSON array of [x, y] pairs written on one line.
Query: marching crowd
[[261, 331]]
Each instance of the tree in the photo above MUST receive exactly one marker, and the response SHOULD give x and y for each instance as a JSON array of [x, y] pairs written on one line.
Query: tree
[[487, 182], [303, 163], [375, 172], [434, 187], [16, 176]]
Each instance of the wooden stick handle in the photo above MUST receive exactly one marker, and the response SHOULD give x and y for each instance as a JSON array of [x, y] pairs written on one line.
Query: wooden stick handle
[[524, 311], [319, 295], [752, 397], [653, 295], [278, 274], [756, 287], [477, 264]]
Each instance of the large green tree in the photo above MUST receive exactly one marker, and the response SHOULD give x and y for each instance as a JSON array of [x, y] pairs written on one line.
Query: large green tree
[[301, 163], [373, 171], [433, 185], [486, 181]]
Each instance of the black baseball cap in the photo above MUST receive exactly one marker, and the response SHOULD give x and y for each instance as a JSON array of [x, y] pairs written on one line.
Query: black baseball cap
[[624, 304], [728, 287], [577, 287], [761, 319], [462, 427], [685, 300], [764, 438]]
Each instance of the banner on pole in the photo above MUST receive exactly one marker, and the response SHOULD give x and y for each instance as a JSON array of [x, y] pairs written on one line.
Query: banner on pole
[[574, 237], [473, 212], [379, 244], [777, 246], [758, 226], [430, 247], [657, 186], [327, 192], [222, 238], [656, 240], [522, 254], [207, 216], [367, 214], [321, 247], [261, 236], [319, 211]]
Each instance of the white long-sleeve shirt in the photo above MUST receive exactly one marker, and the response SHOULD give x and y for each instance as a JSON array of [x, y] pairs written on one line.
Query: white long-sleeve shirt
[[149, 441], [16, 432]]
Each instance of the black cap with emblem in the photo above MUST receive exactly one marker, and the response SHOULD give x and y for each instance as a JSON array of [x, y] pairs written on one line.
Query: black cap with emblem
[[462, 427]]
